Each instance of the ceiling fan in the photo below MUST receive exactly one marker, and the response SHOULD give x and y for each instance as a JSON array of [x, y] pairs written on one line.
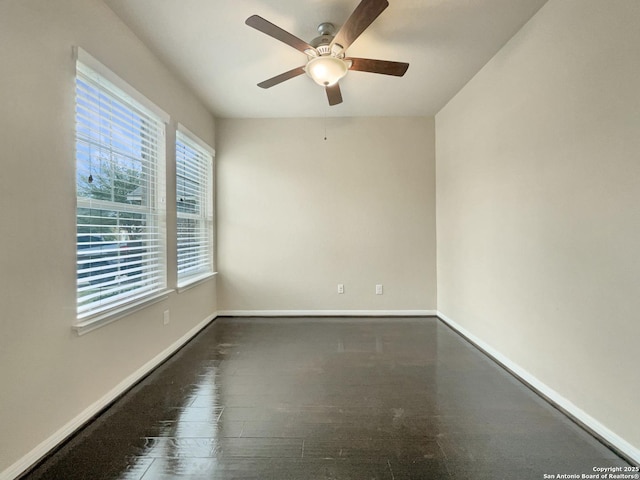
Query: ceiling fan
[[326, 60]]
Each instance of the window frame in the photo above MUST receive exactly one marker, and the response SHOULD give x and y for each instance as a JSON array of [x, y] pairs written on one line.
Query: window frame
[[206, 215], [109, 84]]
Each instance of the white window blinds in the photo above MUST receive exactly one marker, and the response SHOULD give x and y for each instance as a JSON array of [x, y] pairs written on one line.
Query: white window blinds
[[194, 204], [120, 197]]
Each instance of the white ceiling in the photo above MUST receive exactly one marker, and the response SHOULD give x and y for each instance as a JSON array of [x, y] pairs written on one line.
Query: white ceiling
[[207, 43]]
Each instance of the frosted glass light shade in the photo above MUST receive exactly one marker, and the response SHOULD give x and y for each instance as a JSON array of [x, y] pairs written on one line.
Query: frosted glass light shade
[[325, 70]]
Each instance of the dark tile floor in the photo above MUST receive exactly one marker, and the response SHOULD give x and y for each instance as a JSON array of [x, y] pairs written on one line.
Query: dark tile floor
[[328, 399]]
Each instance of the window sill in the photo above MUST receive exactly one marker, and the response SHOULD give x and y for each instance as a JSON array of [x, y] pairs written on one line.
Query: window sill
[[100, 320], [195, 281]]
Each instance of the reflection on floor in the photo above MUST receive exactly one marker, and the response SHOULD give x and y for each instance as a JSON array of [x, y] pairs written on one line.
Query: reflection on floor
[[328, 399]]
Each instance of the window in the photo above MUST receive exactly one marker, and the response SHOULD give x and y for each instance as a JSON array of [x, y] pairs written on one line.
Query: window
[[194, 205], [120, 189]]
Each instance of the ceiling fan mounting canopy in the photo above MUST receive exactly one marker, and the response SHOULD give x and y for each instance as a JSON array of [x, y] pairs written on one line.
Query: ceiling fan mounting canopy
[[327, 29], [326, 62]]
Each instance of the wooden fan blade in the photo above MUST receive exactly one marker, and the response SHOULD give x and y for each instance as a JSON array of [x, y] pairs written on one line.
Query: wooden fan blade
[[281, 78], [276, 32], [360, 19], [333, 94], [397, 69]]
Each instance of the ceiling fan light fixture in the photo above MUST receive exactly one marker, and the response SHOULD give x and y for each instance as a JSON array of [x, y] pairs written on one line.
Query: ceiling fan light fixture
[[326, 70]]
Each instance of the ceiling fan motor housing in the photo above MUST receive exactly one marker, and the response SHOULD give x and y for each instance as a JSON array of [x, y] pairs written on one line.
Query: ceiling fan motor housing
[[322, 44]]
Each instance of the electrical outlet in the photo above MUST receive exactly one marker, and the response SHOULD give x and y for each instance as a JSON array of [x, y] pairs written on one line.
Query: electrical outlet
[[378, 289], [341, 288], [166, 318]]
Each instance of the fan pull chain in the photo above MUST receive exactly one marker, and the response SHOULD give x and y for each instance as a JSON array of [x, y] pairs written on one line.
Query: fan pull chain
[[325, 127]]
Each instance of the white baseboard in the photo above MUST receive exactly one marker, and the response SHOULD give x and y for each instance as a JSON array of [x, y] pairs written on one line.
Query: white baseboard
[[327, 313], [54, 440], [578, 414]]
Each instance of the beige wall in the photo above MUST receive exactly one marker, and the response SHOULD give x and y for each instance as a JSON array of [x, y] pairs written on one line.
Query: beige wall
[[538, 194], [49, 375], [538, 186], [297, 214]]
